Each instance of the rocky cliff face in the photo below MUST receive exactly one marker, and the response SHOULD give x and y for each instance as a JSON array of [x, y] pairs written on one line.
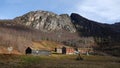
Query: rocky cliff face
[[46, 21]]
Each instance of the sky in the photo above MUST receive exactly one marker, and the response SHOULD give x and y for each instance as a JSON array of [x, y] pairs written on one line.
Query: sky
[[104, 11]]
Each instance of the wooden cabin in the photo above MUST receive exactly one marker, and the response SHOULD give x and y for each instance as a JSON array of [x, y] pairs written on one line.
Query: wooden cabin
[[65, 50]]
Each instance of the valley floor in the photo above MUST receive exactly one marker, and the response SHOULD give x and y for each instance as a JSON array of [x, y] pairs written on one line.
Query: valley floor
[[57, 61]]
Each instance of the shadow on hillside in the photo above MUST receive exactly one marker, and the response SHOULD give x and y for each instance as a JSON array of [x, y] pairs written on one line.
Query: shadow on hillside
[[106, 39]]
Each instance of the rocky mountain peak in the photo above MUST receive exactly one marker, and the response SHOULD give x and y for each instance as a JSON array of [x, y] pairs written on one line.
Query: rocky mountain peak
[[46, 21]]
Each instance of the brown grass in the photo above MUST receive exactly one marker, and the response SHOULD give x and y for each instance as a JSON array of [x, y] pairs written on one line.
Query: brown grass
[[57, 61]]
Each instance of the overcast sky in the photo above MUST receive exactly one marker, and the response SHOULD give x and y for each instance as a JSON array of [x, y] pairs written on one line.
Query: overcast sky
[[106, 11]]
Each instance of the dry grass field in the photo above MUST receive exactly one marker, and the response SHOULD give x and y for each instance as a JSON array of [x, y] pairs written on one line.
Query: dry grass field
[[57, 61]]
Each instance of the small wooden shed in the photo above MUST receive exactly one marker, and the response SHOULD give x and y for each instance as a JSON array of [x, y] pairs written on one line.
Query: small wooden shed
[[58, 50], [68, 50], [65, 50]]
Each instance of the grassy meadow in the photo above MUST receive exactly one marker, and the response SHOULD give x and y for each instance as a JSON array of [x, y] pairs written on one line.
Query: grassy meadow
[[57, 61]]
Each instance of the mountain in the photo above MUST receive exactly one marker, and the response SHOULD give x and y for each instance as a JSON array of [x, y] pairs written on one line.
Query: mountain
[[106, 36], [46, 21], [73, 30], [91, 28]]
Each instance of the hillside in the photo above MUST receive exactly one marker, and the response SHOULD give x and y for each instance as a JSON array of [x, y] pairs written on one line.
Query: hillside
[[106, 36], [45, 30], [20, 37]]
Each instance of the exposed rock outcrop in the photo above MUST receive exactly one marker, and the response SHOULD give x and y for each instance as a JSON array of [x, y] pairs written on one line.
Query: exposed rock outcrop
[[46, 21]]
